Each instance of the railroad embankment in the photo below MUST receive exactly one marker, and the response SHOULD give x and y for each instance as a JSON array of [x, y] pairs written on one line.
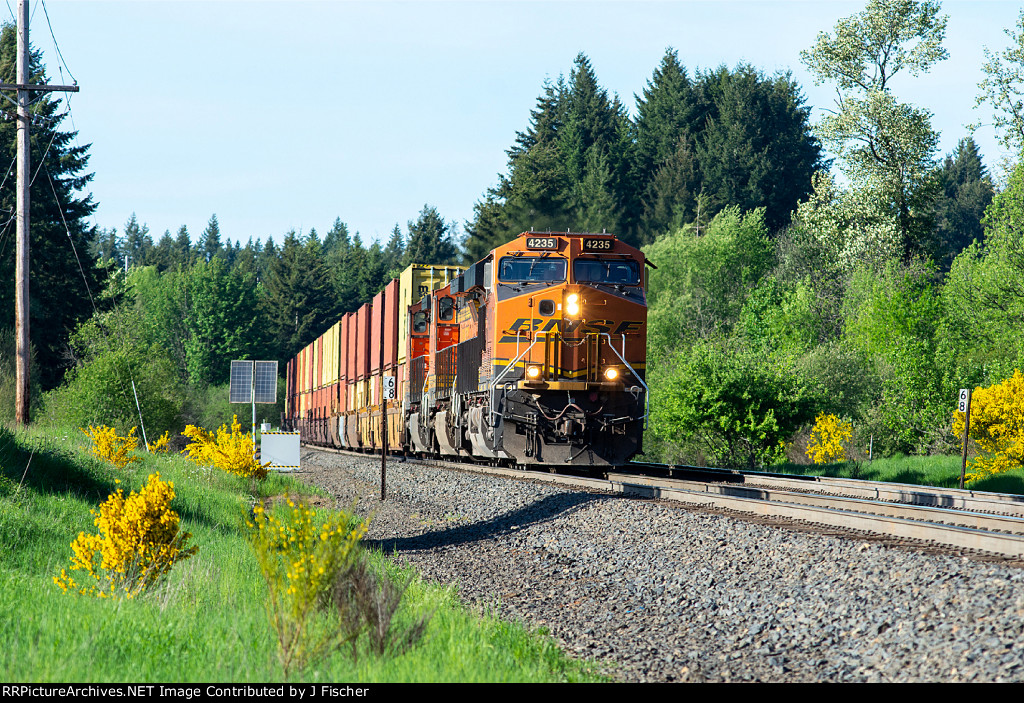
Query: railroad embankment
[[660, 593]]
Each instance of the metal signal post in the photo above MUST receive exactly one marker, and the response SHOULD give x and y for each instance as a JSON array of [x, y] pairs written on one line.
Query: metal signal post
[[21, 268]]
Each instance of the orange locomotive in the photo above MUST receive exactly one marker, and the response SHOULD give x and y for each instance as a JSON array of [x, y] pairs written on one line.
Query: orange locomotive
[[534, 355]]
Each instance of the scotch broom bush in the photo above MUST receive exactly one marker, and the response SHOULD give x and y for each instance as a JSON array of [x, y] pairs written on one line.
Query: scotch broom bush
[[228, 450], [138, 543], [828, 436], [300, 556], [997, 427], [107, 445]]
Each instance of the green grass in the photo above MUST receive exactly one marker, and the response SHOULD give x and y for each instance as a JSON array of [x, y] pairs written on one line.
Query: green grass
[[208, 621], [939, 471]]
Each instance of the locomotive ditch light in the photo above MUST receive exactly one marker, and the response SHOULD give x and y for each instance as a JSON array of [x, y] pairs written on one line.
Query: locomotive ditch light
[[533, 372], [572, 304], [611, 373]]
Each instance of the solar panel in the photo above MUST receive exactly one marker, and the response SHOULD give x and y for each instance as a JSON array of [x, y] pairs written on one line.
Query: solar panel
[[266, 382], [240, 390]]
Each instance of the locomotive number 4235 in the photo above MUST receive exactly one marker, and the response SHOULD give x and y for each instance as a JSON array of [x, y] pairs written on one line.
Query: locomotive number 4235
[[542, 243], [597, 244]]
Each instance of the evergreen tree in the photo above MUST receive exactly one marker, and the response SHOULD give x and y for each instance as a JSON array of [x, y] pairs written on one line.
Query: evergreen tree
[[211, 245], [105, 245], [163, 254], [755, 148], [60, 298], [394, 253], [184, 255], [299, 296], [965, 191], [336, 242], [138, 245], [247, 258], [430, 240], [569, 170], [665, 169]]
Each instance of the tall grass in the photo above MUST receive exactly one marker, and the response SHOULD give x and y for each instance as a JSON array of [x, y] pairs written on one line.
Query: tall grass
[[208, 621], [938, 471]]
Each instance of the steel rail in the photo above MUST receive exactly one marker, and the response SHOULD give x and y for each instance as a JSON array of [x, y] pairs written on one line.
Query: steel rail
[[954, 498], [965, 530]]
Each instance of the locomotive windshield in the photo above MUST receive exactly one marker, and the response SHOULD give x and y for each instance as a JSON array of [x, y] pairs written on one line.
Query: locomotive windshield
[[619, 272], [531, 269]]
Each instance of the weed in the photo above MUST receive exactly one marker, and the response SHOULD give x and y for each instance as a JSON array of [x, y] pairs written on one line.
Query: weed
[[300, 557], [366, 599]]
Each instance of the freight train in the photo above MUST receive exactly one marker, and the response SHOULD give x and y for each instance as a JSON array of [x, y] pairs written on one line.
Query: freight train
[[533, 356]]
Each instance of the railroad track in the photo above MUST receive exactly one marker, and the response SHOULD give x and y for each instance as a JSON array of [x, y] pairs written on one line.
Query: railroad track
[[989, 523]]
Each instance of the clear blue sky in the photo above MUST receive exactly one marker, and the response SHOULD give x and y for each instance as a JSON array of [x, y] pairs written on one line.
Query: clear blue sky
[[286, 115]]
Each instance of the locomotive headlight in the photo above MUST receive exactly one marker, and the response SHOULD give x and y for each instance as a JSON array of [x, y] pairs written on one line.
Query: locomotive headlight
[[533, 372], [572, 305], [611, 373]]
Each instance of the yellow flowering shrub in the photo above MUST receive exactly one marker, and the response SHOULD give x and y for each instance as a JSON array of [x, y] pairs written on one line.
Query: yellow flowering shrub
[[200, 446], [138, 543], [228, 450], [161, 445], [300, 554], [107, 445], [997, 427], [828, 436]]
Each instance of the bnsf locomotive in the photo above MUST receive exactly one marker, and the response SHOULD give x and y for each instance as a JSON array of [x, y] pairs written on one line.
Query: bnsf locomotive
[[535, 355]]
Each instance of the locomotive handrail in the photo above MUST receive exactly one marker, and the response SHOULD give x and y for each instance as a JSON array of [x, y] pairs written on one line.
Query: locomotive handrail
[[512, 365], [622, 358]]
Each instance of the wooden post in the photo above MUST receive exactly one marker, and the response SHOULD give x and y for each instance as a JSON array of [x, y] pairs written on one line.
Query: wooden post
[[21, 265], [21, 309]]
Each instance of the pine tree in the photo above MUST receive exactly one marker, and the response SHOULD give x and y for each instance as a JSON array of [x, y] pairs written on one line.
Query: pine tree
[[163, 254], [184, 255], [299, 296], [756, 148], [958, 208], [211, 245], [394, 253], [430, 240], [138, 245]]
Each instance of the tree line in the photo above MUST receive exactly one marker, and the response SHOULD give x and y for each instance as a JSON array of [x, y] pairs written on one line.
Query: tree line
[[781, 291]]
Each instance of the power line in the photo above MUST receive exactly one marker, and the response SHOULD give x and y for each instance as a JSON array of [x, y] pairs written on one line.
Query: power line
[[55, 46]]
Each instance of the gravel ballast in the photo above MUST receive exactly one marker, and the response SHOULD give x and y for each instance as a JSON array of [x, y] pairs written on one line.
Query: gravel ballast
[[663, 593]]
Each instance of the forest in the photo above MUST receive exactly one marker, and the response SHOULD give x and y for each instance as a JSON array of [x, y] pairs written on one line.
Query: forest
[[843, 266]]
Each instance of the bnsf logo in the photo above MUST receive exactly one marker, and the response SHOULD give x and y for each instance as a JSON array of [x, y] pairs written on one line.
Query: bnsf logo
[[525, 324]]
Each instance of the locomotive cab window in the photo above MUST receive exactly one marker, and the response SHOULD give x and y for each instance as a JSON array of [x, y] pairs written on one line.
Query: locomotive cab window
[[445, 308], [419, 322], [531, 269], [620, 273]]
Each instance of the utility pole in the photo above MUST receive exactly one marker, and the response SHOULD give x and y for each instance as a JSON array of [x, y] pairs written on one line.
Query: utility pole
[[21, 297]]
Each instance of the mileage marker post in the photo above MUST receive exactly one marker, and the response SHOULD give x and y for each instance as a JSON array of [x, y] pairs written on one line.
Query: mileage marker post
[[964, 406], [387, 393]]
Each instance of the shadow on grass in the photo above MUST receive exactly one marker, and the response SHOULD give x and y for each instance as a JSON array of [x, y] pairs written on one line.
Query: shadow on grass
[[43, 467], [49, 470], [1006, 483]]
